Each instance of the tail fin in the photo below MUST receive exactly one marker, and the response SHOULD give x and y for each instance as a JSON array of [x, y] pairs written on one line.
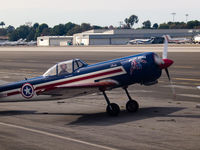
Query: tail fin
[[168, 37]]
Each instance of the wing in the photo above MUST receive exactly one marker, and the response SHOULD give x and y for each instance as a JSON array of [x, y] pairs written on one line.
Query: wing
[[79, 89]]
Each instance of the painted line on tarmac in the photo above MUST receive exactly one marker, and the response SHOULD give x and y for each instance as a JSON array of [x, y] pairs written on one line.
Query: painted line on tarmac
[[181, 87], [183, 67], [186, 79], [189, 95], [179, 83], [57, 136]]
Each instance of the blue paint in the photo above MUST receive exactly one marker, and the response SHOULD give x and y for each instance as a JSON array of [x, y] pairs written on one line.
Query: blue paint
[[145, 72]]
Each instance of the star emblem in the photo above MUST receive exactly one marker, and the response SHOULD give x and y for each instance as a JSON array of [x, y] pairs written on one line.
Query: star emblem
[[27, 91]]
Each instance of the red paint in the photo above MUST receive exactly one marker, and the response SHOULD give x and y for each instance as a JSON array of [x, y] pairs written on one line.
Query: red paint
[[167, 63], [79, 79], [51, 86], [13, 93]]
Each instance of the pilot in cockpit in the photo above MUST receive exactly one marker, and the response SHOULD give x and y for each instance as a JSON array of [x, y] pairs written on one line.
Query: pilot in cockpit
[[63, 68]]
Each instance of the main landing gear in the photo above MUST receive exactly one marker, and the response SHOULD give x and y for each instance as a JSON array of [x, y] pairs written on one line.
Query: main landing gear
[[131, 105], [114, 110]]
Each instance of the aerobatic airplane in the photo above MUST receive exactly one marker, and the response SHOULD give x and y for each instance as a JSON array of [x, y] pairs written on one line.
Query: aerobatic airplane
[[75, 78]]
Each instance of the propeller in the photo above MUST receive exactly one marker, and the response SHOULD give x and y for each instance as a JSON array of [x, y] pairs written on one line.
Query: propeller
[[171, 84], [165, 50], [167, 63]]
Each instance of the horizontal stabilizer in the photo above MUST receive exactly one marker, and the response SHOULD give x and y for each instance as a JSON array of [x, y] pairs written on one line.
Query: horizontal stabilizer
[[3, 82]]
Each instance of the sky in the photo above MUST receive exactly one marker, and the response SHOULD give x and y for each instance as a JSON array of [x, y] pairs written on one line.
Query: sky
[[101, 12]]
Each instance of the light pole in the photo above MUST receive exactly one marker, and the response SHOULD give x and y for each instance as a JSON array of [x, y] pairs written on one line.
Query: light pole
[[186, 15], [120, 24], [173, 14]]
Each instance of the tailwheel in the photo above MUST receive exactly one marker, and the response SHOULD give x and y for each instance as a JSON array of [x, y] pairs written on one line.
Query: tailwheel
[[132, 106], [113, 109]]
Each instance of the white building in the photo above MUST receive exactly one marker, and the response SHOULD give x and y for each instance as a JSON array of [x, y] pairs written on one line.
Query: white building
[[54, 40]]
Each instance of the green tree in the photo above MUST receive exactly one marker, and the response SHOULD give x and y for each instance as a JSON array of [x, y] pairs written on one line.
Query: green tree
[[155, 26], [39, 29], [42, 27], [46, 32], [69, 26], [96, 27], [20, 33], [85, 27], [59, 30], [177, 25], [164, 26], [31, 35], [76, 29], [14, 36], [193, 24], [10, 29], [36, 25], [131, 21], [3, 32], [2, 24], [23, 31], [146, 24]]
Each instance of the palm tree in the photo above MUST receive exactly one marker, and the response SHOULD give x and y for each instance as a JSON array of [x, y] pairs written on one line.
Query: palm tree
[[2, 24]]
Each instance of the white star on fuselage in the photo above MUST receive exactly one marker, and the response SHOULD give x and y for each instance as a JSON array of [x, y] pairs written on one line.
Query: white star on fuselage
[[27, 90]]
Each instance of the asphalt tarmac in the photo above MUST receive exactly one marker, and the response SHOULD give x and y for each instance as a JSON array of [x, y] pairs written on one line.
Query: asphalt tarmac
[[163, 121]]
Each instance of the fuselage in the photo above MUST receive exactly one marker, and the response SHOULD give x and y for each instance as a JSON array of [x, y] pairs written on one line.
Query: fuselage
[[129, 70]]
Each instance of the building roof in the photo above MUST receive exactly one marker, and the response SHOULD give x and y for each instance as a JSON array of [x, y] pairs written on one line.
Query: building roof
[[3, 37], [56, 37]]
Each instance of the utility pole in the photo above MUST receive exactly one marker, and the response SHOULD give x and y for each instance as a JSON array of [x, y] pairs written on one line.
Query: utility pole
[[173, 14], [120, 24], [186, 15]]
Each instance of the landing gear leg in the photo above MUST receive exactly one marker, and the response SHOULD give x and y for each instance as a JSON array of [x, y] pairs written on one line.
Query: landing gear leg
[[131, 105], [112, 108]]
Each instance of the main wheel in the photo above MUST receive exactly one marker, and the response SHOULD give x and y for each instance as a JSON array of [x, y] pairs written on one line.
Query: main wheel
[[113, 109], [132, 106]]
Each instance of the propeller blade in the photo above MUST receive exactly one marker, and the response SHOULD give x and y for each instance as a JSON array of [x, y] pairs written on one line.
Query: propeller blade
[[165, 50], [171, 84]]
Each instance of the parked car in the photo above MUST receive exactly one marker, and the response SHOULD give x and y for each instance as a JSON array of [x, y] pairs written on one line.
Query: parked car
[[196, 39]]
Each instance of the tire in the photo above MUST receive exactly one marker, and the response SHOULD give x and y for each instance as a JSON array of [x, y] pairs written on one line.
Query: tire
[[113, 109], [132, 106]]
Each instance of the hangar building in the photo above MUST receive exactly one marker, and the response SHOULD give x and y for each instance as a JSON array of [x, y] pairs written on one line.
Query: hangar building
[[112, 37], [122, 36], [54, 40]]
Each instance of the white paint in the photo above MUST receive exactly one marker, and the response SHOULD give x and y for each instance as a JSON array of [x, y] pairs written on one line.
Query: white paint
[[181, 87], [57, 136], [19, 97], [189, 95], [43, 42]]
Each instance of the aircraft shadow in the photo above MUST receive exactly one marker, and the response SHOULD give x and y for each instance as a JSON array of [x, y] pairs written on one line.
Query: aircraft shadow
[[17, 112], [102, 119]]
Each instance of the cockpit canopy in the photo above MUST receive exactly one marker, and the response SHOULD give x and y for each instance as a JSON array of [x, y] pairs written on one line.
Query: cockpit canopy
[[65, 68]]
